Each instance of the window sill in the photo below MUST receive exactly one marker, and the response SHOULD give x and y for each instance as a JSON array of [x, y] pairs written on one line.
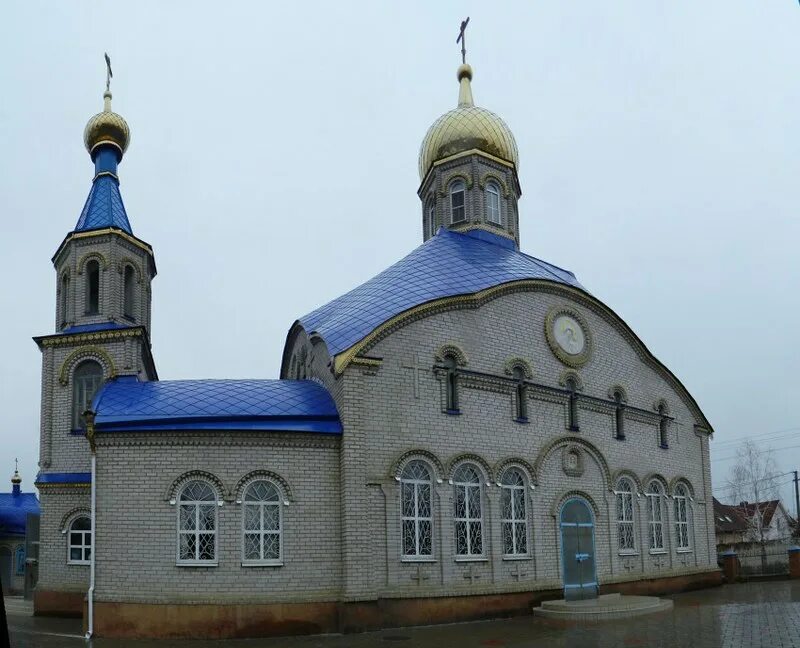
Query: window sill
[[519, 557], [460, 559], [265, 563], [619, 438], [197, 563], [628, 553], [453, 412], [683, 551], [523, 420], [663, 447], [422, 559], [658, 552], [79, 563]]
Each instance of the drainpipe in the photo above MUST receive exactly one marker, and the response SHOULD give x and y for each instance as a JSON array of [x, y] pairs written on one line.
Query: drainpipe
[[90, 594]]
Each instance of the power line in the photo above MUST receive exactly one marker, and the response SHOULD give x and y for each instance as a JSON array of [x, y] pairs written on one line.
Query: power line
[[753, 482], [776, 433], [763, 450]]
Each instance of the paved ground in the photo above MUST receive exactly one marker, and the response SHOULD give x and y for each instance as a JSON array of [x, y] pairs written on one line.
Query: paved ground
[[750, 615]]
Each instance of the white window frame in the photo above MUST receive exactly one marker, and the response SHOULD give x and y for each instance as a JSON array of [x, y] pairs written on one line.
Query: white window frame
[[492, 192], [458, 186], [85, 544], [197, 562], [624, 495], [261, 505], [655, 495], [81, 396], [416, 519], [510, 524], [681, 500], [472, 490]]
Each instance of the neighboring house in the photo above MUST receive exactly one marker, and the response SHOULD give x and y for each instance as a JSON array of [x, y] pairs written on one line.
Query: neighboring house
[[730, 526], [767, 521], [14, 510]]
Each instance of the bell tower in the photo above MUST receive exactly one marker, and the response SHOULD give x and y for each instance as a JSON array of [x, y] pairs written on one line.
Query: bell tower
[[102, 330]]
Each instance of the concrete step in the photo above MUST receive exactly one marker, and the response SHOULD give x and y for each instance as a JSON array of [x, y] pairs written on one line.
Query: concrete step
[[18, 606], [602, 608]]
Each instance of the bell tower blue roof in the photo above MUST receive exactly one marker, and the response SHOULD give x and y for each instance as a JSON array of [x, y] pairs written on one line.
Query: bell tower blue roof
[[104, 207]]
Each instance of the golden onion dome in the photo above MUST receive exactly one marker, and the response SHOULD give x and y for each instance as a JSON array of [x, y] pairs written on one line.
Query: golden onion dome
[[465, 128], [107, 127]]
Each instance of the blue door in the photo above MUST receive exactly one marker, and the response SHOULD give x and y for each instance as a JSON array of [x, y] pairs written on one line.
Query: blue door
[[577, 550]]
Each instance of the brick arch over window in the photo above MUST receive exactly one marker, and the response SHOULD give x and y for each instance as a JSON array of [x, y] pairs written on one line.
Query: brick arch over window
[[88, 257], [128, 261], [268, 475], [518, 363], [424, 455], [456, 175], [629, 474], [570, 374], [451, 349], [174, 488], [673, 485], [616, 387], [555, 509], [514, 462], [491, 176], [468, 457], [659, 403], [658, 478], [95, 353], [590, 449], [68, 517]]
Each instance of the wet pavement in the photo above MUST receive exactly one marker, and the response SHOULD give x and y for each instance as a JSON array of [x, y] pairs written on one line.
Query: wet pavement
[[750, 615]]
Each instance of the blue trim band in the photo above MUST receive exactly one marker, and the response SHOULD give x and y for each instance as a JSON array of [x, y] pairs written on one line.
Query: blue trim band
[[64, 478]]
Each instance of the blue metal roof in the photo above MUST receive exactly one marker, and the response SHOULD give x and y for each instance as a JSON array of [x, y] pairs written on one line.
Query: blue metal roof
[[446, 265], [14, 509], [126, 404], [91, 328], [64, 478], [104, 207]]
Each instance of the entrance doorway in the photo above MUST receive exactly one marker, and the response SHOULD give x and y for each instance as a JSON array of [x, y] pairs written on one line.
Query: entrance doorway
[[577, 550]]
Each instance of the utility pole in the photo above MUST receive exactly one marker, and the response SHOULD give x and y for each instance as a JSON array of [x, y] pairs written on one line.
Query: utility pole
[[797, 505]]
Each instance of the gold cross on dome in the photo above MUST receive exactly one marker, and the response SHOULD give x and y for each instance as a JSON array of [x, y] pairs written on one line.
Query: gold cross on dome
[[462, 38]]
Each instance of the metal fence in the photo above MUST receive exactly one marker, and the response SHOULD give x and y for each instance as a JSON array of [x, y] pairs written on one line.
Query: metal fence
[[764, 560]]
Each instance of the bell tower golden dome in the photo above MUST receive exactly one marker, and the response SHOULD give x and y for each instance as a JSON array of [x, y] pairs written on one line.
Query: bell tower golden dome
[[107, 127]]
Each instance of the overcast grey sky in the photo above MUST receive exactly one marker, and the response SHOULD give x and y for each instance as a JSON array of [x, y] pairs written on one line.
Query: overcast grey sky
[[273, 166]]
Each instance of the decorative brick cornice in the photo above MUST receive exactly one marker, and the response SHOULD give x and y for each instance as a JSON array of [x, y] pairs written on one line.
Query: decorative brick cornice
[[451, 349], [228, 439], [69, 339], [94, 254], [518, 362]]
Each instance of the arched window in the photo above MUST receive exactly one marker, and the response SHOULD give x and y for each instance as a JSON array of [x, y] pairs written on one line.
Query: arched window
[[19, 560], [64, 301], [521, 394], [79, 541], [663, 423], [468, 511], [417, 510], [619, 416], [197, 524], [451, 386], [625, 532], [572, 413], [93, 287], [458, 210], [681, 518], [655, 516], [86, 380], [430, 222], [514, 513], [261, 540], [129, 293], [493, 203]]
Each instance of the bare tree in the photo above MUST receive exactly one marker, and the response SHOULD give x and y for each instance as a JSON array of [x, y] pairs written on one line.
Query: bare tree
[[753, 479]]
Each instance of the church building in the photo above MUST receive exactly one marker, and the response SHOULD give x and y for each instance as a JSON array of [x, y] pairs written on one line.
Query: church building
[[464, 435]]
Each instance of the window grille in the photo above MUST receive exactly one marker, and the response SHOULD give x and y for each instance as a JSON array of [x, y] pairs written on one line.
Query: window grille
[[416, 516], [468, 511], [655, 516], [681, 518], [79, 541], [493, 203], [514, 513], [197, 524], [625, 527], [262, 524]]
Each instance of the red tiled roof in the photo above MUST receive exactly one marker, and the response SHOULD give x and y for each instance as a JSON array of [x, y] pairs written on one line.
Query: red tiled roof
[[728, 519]]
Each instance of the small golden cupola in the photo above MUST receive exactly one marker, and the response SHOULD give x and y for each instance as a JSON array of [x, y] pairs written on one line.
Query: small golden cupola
[[468, 165], [465, 128], [107, 127]]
